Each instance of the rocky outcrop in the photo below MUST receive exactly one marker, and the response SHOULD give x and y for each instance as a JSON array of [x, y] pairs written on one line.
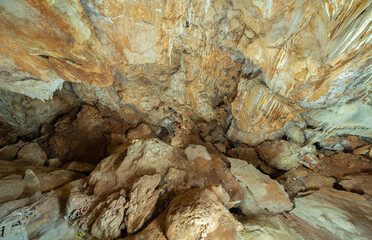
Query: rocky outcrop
[[149, 188], [267, 193], [149, 177]]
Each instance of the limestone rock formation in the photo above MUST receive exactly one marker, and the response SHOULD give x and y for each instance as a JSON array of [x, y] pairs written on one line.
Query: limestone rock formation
[[337, 215], [280, 154], [195, 151], [267, 193], [200, 214], [185, 119], [170, 61]]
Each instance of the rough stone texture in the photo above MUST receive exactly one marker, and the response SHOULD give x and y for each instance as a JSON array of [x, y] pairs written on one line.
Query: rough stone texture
[[301, 180], [198, 214], [280, 154], [153, 173], [339, 143], [108, 224], [35, 200], [21, 115], [83, 136], [170, 61], [363, 150], [34, 153], [142, 202], [149, 189], [340, 164], [143, 131], [245, 153], [267, 193], [195, 151], [334, 215], [359, 183], [268, 227]]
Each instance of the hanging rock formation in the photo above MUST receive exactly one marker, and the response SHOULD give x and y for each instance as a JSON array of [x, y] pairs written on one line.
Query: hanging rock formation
[[168, 61]]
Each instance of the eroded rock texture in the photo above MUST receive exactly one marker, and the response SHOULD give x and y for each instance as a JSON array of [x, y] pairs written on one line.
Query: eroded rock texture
[[165, 62], [148, 189], [185, 119]]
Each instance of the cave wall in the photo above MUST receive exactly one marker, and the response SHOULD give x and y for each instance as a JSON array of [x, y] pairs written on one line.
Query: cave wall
[[164, 62]]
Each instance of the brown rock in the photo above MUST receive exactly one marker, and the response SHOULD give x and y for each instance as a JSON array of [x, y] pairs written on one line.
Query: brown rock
[[108, 224], [267, 193], [359, 183], [53, 162], [141, 205], [80, 167], [175, 181], [199, 214], [363, 150], [245, 153], [143, 131], [280, 154], [10, 189], [335, 215], [354, 141], [31, 182], [196, 151], [152, 231], [34, 153], [220, 147], [301, 180], [57, 178], [8, 152], [208, 139]]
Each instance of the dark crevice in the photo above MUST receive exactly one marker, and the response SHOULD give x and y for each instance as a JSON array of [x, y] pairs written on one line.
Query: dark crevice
[[337, 186], [44, 56]]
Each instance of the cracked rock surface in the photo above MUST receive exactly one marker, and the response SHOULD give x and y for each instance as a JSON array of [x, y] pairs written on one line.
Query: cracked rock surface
[[185, 119]]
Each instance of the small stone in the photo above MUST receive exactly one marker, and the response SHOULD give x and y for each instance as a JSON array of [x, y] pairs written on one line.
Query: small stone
[[208, 139], [195, 151], [266, 169], [32, 183], [220, 147], [34, 153], [360, 183], [8, 152], [249, 34], [363, 150], [142, 131], [80, 167], [245, 153], [350, 164], [53, 162], [280, 154]]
